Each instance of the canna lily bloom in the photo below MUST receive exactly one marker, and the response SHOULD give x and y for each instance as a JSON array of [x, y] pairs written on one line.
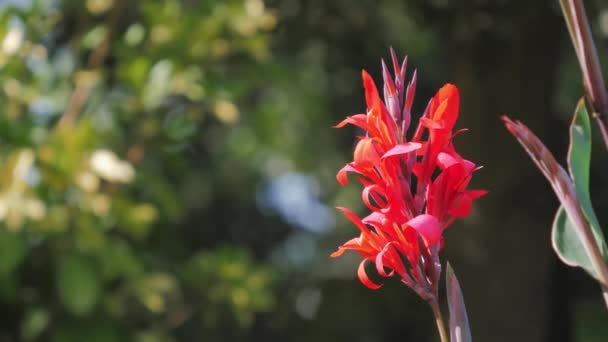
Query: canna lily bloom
[[403, 234]]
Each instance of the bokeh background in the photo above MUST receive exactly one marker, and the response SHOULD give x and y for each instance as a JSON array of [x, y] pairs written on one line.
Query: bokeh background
[[167, 168]]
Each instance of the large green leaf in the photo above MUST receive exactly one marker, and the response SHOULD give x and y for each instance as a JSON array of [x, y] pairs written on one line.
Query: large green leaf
[[579, 151], [567, 243], [459, 321], [13, 249], [566, 240], [78, 284]]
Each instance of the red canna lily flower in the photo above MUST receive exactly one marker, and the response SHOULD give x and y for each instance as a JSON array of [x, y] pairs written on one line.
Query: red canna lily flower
[[403, 234]]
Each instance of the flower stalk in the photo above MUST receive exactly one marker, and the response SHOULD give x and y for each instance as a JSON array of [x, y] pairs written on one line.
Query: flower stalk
[[443, 334], [586, 52]]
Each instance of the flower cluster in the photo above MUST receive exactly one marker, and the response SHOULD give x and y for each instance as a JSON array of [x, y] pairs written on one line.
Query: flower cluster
[[415, 188]]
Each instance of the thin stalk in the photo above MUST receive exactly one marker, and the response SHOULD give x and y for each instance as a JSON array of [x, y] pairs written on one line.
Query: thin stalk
[[443, 334], [601, 122], [586, 52]]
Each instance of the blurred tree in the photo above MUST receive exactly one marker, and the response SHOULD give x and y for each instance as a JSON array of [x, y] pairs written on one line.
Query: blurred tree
[[113, 123]]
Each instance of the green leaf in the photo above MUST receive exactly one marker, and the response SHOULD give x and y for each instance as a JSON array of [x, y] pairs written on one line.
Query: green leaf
[[13, 249], [565, 238], [78, 284], [89, 330], [567, 244], [579, 151], [459, 321], [34, 323]]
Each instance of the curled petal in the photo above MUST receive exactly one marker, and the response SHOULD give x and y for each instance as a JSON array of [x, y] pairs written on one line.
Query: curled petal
[[402, 149], [380, 262], [428, 228], [374, 192], [359, 120], [364, 278], [365, 152], [342, 176], [376, 218]]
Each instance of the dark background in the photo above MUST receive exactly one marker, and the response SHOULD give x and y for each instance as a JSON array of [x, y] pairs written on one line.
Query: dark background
[[168, 168]]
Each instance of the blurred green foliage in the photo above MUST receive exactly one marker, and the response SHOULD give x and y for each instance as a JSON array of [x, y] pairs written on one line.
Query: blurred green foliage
[[102, 102], [165, 164]]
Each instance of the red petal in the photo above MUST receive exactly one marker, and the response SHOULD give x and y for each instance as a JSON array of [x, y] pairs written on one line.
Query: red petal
[[463, 207], [371, 92], [444, 106], [342, 176], [365, 152], [354, 243], [389, 85], [475, 194], [402, 149], [359, 120], [445, 160], [430, 124], [364, 278], [377, 194], [376, 218], [354, 219], [380, 262], [337, 253], [428, 228]]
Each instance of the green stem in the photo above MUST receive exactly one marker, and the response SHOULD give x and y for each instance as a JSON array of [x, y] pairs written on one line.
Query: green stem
[[439, 320]]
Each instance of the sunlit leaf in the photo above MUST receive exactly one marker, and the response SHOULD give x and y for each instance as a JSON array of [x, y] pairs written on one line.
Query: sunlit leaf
[[459, 321], [35, 322], [566, 239], [78, 284], [13, 248]]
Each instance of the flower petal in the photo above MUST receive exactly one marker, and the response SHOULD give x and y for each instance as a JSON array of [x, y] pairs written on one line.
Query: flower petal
[[359, 120], [365, 152], [364, 278], [342, 176], [402, 149], [445, 160], [376, 218], [354, 243], [463, 206], [428, 228], [354, 219], [475, 194], [380, 262], [444, 106]]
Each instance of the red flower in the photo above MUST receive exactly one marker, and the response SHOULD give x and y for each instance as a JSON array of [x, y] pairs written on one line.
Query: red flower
[[403, 234]]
